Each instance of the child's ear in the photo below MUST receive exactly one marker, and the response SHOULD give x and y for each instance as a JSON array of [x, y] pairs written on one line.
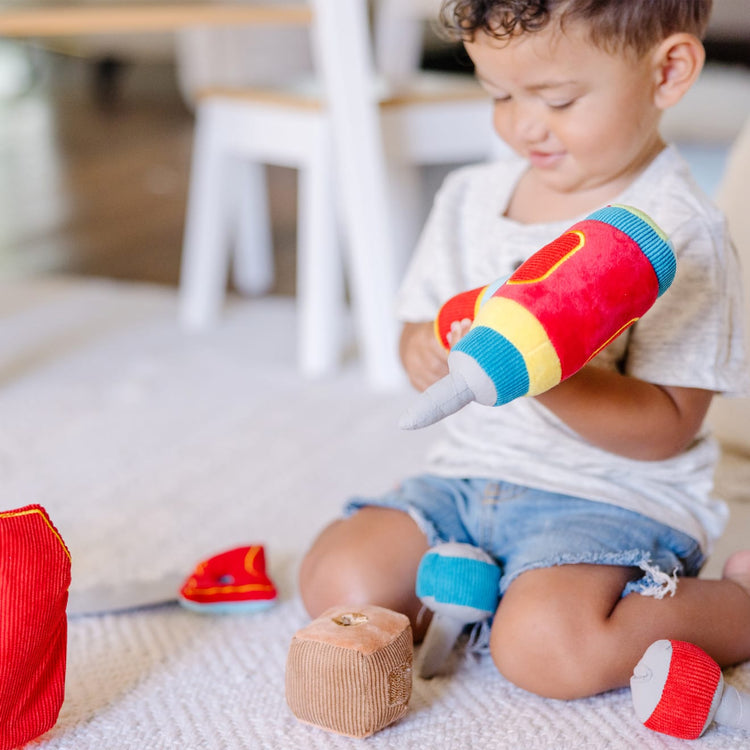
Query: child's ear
[[678, 61]]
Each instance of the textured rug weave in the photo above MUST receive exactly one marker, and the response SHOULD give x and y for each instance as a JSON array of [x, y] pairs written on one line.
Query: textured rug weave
[[152, 449]]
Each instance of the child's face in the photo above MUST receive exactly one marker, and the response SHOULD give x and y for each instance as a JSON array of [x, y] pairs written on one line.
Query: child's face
[[583, 117]]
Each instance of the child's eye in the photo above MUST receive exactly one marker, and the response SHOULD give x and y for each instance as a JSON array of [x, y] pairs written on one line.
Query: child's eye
[[560, 105], [500, 99]]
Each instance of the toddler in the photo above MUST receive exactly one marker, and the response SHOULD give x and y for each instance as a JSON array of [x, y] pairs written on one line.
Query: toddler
[[594, 497]]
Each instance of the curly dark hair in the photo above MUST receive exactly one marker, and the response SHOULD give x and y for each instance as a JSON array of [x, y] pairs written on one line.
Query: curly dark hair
[[613, 24]]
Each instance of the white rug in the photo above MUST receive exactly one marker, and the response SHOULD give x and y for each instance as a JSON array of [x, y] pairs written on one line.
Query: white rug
[[151, 450]]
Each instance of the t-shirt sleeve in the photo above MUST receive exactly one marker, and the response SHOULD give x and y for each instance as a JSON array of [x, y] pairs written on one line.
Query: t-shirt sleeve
[[693, 336]]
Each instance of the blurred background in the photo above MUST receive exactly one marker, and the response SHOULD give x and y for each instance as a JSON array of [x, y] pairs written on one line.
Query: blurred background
[[96, 133]]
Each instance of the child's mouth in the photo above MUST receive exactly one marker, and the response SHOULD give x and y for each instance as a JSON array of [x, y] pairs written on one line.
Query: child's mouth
[[545, 160]]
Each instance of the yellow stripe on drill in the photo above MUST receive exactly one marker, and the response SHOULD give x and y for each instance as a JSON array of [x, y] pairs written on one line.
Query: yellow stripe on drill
[[526, 333], [479, 301]]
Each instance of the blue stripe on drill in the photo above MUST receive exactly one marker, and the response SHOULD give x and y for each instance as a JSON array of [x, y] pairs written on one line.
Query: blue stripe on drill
[[492, 288], [502, 362], [459, 580], [655, 248]]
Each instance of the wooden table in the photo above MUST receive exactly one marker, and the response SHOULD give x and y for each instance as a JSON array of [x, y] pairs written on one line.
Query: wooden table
[[341, 48], [81, 18]]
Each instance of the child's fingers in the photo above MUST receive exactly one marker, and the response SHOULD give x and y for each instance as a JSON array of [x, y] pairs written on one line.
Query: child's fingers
[[459, 328]]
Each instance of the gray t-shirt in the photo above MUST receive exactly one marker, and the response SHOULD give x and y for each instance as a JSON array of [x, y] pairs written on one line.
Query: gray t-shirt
[[691, 337]]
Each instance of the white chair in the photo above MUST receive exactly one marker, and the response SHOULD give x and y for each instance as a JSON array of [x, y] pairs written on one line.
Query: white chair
[[339, 33], [422, 120]]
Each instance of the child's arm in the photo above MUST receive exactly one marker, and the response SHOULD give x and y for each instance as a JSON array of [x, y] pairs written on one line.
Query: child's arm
[[627, 416], [560, 308]]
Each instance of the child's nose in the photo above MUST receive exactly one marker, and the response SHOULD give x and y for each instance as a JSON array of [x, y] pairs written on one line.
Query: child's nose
[[528, 122]]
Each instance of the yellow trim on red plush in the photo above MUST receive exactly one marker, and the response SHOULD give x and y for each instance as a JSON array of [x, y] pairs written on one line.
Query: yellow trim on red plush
[[612, 338], [479, 300], [38, 511], [550, 271], [230, 589], [436, 330], [250, 558]]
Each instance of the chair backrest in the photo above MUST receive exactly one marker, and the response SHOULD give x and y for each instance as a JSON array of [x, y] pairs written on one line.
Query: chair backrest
[[399, 34], [250, 57], [236, 56]]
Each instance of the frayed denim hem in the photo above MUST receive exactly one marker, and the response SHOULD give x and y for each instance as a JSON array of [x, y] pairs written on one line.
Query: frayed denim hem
[[655, 582]]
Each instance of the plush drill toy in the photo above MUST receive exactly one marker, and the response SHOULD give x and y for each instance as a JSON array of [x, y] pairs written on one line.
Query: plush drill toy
[[678, 689], [556, 312]]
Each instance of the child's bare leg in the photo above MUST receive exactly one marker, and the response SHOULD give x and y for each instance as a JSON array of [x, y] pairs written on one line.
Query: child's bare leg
[[369, 558], [564, 632]]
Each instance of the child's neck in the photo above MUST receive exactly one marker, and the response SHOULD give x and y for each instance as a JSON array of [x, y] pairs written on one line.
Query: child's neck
[[534, 202]]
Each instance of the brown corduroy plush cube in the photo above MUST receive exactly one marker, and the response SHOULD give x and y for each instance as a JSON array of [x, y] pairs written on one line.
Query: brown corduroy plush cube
[[349, 671]]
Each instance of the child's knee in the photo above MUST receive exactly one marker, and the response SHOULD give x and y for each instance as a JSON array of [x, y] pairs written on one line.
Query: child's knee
[[326, 574], [368, 558], [544, 656]]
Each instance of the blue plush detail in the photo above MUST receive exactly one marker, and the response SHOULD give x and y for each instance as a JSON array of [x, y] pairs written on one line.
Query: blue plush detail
[[499, 359], [658, 250], [227, 608], [492, 288], [459, 580]]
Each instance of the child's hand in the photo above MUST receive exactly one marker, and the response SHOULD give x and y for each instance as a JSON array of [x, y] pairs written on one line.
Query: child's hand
[[459, 328], [422, 355]]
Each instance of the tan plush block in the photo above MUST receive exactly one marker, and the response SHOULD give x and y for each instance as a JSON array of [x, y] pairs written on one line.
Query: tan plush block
[[349, 671]]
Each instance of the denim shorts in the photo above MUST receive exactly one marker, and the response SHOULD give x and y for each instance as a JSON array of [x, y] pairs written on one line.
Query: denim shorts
[[524, 529]]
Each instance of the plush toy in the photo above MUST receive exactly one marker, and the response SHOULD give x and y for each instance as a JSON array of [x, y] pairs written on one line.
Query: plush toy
[[34, 583], [459, 583], [678, 689], [349, 670], [234, 581], [556, 312]]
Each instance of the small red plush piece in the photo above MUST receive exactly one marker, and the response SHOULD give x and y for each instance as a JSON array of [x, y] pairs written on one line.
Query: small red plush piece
[[233, 581], [34, 583], [685, 705], [462, 306]]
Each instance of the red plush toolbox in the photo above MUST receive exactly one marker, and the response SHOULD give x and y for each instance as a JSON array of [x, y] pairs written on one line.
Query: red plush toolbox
[[34, 582]]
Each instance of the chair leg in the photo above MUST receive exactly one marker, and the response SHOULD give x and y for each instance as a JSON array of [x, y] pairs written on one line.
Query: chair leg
[[253, 264], [320, 278], [205, 254], [407, 211], [345, 67]]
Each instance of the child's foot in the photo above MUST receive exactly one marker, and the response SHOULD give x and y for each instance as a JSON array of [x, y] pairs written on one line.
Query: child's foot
[[737, 569]]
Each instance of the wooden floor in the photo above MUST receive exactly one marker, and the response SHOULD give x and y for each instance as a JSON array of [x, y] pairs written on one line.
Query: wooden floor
[[96, 184]]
